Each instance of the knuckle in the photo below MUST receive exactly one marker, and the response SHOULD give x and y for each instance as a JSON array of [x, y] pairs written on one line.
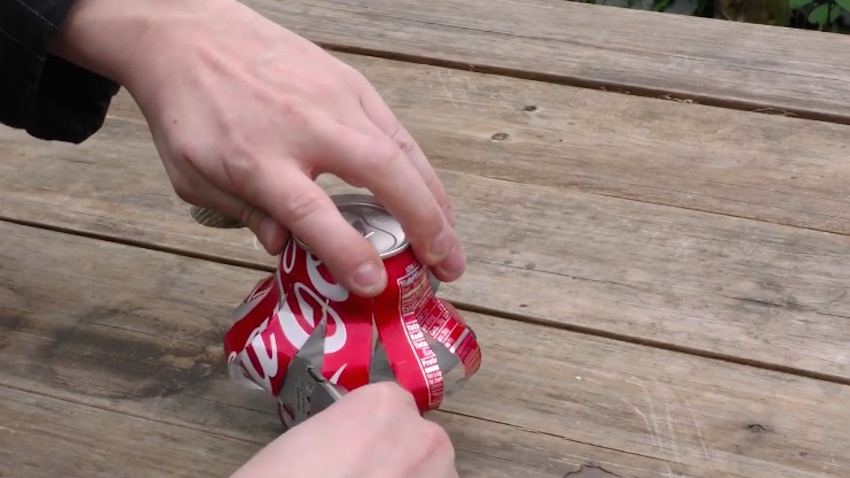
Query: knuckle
[[324, 86], [404, 141], [289, 108], [185, 149], [284, 106], [240, 167], [430, 223], [186, 192], [304, 205], [238, 171], [437, 440], [389, 396], [379, 157], [349, 73], [250, 215]]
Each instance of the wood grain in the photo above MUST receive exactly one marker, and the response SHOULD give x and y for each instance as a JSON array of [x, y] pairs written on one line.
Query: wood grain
[[133, 331], [756, 67], [41, 436], [748, 165], [764, 294]]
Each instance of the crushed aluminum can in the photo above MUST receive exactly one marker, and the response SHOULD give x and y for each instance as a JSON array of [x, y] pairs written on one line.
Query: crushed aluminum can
[[306, 340]]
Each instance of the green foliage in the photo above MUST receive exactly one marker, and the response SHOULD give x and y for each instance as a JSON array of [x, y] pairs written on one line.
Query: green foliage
[[828, 15], [823, 15]]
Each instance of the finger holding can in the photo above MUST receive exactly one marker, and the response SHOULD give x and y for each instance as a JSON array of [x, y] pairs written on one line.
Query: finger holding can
[[388, 124], [377, 163], [302, 207]]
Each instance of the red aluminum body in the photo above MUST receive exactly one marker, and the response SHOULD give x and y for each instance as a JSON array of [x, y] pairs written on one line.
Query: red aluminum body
[[406, 334]]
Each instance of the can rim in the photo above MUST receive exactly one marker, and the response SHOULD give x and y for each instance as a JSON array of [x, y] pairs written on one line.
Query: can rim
[[349, 199]]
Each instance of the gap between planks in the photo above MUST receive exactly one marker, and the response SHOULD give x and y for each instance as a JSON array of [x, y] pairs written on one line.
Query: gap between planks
[[207, 431], [468, 307], [261, 443], [599, 85], [434, 28], [706, 417]]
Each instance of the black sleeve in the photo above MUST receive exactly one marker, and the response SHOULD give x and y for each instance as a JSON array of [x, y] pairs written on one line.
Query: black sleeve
[[48, 97]]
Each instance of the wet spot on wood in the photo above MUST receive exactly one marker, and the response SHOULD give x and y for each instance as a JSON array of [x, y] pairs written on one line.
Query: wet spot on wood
[[97, 358], [531, 266], [530, 108], [523, 306], [8, 325], [499, 136], [178, 362], [13, 309]]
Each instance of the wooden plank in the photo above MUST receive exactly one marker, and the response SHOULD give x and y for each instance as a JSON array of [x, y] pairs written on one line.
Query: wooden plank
[[759, 293], [134, 331], [711, 61], [748, 165], [45, 437], [42, 436]]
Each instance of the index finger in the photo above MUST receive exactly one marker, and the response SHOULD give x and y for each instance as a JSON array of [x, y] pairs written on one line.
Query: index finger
[[375, 162], [301, 206], [386, 121]]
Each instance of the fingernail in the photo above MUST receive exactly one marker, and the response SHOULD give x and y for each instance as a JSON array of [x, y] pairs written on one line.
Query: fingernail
[[369, 276], [454, 265], [442, 246]]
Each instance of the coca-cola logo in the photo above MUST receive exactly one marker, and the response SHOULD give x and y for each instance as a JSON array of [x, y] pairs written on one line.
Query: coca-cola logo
[[311, 308], [266, 366], [287, 259], [331, 290], [294, 317]]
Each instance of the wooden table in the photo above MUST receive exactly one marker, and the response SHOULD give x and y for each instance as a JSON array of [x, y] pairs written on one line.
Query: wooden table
[[655, 210]]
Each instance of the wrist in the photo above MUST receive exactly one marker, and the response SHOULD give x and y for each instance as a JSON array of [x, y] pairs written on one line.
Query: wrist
[[122, 40]]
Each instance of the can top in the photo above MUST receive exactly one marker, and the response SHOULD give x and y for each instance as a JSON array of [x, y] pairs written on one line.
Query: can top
[[366, 214]]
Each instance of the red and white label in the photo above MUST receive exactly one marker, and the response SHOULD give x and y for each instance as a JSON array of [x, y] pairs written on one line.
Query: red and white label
[[282, 311]]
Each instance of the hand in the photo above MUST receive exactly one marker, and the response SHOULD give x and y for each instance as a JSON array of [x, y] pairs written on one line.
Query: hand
[[375, 431], [245, 115]]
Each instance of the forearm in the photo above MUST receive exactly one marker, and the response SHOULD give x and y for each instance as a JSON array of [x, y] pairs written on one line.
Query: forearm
[[125, 40], [61, 61], [97, 35], [108, 36]]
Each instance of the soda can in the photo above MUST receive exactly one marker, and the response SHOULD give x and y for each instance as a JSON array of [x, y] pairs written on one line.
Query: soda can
[[305, 339]]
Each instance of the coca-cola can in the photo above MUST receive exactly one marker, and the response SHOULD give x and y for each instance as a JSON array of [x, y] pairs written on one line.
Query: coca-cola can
[[307, 340]]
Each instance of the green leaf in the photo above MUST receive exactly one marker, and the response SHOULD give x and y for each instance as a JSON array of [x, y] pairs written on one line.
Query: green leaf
[[834, 14], [818, 15], [660, 5], [795, 4], [845, 4]]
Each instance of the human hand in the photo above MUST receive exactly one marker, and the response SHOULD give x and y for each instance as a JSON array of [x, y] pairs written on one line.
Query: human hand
[[375, 431], [246, 114]]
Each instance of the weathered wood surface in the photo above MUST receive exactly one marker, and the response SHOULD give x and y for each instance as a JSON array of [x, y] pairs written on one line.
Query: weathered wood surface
[[41, 436], [768, 168], [712, 61], [749, 291], [91, 329]]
